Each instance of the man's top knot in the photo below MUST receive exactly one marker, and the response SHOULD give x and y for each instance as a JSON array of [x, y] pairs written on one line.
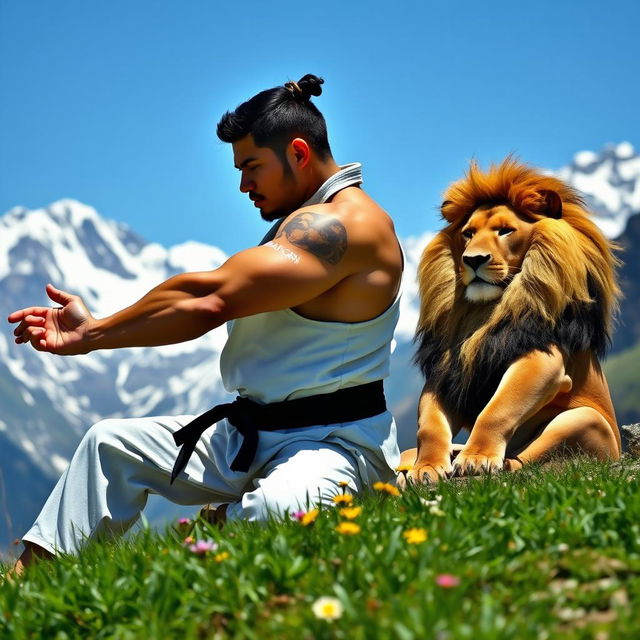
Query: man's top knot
[[306, 87]]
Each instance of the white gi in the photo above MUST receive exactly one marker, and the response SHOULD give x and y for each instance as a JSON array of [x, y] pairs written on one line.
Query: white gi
[[268, 357]]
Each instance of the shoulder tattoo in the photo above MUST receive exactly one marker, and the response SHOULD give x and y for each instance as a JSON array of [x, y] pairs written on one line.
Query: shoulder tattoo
[[322, 235]]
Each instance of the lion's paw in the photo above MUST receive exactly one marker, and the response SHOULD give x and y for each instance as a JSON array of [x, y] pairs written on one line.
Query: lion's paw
[[473, 464], [428, 473]]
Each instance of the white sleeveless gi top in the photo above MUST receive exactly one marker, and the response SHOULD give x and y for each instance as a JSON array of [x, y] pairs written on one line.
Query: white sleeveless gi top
[[281, 355]]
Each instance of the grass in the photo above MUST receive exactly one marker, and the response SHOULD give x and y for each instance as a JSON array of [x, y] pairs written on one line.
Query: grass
[[537, 554]]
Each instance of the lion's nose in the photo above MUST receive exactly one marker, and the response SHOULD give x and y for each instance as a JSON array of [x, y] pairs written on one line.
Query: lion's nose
[[475, 262]]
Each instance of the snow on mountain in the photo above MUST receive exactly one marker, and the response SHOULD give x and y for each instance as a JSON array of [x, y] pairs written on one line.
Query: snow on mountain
[[610, 182]]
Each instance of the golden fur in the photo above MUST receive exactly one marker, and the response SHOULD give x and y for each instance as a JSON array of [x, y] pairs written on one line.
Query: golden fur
[[554, 272]]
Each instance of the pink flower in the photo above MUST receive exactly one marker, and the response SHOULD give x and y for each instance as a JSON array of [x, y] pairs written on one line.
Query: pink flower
[[447, 581], [201, 547], [184, 521], [298, 515]]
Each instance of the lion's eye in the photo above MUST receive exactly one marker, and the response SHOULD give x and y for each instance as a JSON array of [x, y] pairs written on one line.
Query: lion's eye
[[468, 233], [505, 231]]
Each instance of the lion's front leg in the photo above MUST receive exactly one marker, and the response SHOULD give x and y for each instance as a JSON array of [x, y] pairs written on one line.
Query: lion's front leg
[[435, 435], [528, 385]]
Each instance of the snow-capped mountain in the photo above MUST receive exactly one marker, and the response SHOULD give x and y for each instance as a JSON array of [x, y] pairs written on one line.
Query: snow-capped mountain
[[610, 182], [46, 402]]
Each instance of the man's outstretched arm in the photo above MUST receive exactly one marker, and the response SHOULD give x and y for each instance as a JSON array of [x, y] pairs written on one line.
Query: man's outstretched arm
[[184, 307]]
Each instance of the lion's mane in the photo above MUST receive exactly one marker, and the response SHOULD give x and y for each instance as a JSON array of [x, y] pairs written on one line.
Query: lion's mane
[[566, 293]]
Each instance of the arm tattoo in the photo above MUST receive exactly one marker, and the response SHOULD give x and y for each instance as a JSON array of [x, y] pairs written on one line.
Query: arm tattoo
[[322, 235], [287, 253]]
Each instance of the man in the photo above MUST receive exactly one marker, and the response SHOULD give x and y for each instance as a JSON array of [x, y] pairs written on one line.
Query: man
[[310, 312]]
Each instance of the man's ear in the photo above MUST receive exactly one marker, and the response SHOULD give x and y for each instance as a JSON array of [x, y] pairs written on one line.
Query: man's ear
[[301, 152]]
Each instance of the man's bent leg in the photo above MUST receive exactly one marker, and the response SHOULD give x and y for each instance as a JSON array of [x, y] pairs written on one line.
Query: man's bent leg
[[303, 475], [117, 464]]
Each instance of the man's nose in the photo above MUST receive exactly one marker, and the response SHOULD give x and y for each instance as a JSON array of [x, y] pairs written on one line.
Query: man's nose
[[247, 185]]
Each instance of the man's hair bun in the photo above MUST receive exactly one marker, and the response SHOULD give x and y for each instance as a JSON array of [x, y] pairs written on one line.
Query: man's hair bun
[[306, 87]]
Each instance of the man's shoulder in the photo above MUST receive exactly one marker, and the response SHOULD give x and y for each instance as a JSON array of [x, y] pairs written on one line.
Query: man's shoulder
[[361, 217]]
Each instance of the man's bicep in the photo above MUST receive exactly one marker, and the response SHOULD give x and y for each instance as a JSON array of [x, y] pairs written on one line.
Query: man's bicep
[[276, 275]]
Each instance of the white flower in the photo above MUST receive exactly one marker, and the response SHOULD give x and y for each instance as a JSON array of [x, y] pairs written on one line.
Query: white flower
[[327, 608]]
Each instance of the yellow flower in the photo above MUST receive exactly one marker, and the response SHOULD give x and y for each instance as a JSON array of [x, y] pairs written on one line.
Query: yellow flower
[[309, 517], [348, 528], [220, 557], [404, 468], [386, 488], [327, 608], [345, 498], [415, 536], [343, 483], [351, 512]]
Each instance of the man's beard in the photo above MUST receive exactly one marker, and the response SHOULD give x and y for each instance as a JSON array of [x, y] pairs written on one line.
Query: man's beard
[[272, 216]]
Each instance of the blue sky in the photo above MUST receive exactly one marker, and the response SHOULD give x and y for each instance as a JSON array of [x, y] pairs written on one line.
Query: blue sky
[[115, 104]]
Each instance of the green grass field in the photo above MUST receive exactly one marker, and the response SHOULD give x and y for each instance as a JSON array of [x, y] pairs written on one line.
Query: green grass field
[[537, 554]]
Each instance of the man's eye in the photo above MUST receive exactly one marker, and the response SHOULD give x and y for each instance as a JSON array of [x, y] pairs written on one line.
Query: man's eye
[[505, 231]]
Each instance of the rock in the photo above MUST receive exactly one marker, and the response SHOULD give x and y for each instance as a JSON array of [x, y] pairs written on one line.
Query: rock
[[631, 438]]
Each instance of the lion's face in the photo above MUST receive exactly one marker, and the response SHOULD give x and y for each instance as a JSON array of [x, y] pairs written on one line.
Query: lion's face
[[495, 241]]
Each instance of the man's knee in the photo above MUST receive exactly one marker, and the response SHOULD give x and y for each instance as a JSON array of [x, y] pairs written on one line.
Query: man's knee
[[108, 431]]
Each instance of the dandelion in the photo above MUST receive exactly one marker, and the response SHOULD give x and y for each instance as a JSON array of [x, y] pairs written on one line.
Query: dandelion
[[221, 557], [344, 498], [385, 487], [202, 547], [327, 608], [348, 528], [309, 517], [447, 581], [343, 484], [415, 535], [350, 512], [404, 469]]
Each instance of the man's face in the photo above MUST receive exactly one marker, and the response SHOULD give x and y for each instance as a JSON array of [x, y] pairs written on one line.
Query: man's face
[[272, 190]]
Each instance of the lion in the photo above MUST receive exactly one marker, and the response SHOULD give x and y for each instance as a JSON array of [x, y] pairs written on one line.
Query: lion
[[517, 300]]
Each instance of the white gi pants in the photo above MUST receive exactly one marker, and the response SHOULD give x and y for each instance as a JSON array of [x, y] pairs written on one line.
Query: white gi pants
[[120, 462]]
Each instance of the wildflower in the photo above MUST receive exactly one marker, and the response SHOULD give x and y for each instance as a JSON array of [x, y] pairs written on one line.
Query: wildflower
[[202, 547], [184, 521], [404, 468], [188, 540], [350, 512], [327, 608], [343, 484], [298, 515], [220, 557], [309, 517], [447, 581], [415, 536], [344, 498], [348, 528], [386, 488]]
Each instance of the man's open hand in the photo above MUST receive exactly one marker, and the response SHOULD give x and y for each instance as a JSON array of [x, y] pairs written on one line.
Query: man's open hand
[[59, 330]]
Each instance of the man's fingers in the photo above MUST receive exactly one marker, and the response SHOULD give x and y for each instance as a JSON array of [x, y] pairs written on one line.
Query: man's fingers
[[22, 314], [29, 321]]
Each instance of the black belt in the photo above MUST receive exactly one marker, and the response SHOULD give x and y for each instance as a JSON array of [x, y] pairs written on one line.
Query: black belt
[[249, 417]]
